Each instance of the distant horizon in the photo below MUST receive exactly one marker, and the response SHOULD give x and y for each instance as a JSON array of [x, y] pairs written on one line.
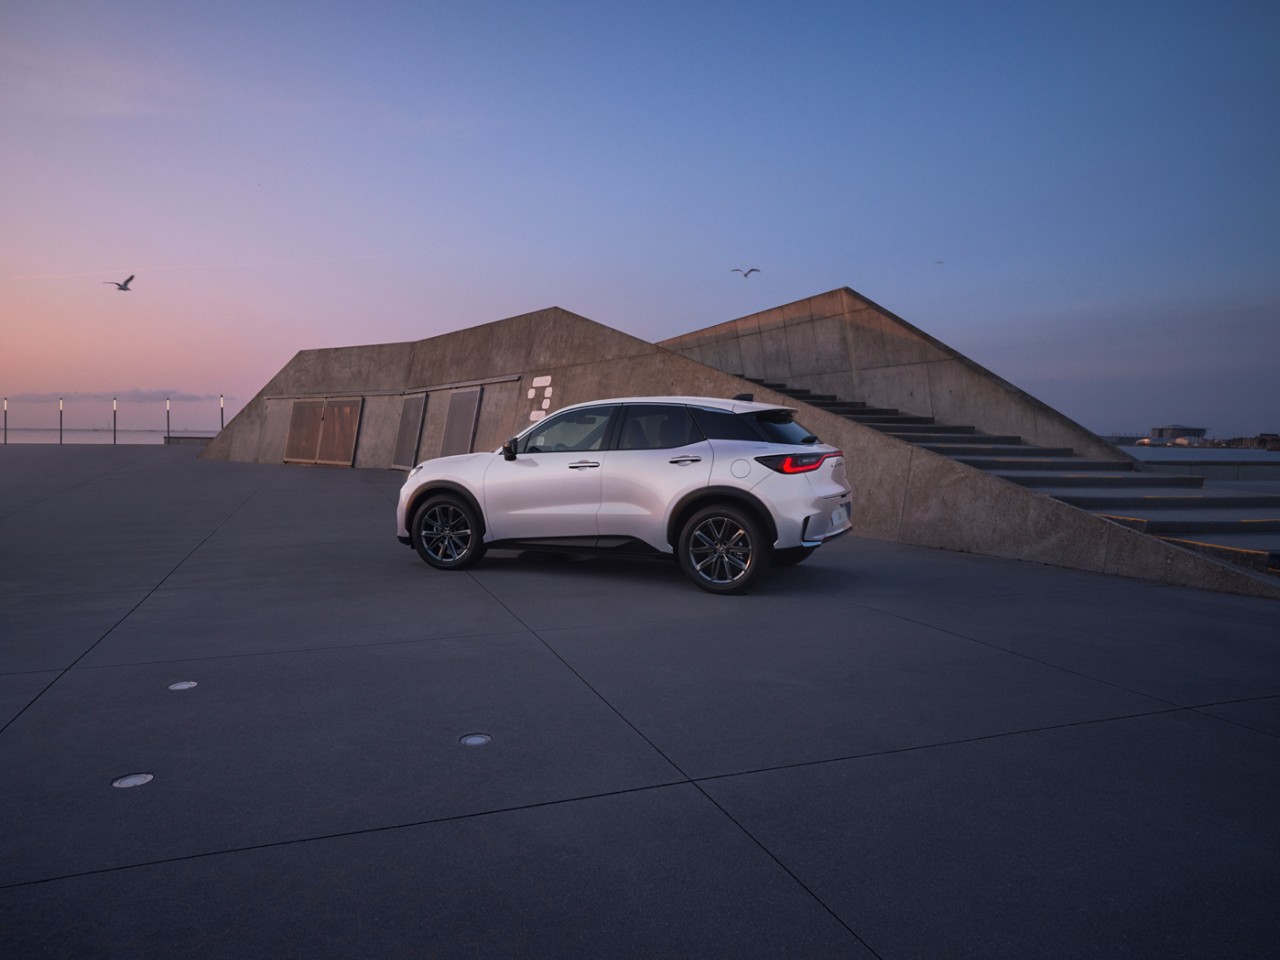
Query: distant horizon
[[76, 417]]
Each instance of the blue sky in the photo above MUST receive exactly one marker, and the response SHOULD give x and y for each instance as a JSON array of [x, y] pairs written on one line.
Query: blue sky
[[1098, 182]]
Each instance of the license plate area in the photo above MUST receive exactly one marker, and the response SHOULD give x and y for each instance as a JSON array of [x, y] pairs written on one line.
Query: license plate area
[[839, 516]]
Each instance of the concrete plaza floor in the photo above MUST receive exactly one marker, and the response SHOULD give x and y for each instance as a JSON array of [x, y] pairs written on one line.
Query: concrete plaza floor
[[884, 752]]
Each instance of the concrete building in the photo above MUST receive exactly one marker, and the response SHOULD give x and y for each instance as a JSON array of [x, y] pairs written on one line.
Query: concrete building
[[1176, 431], [941, 452]]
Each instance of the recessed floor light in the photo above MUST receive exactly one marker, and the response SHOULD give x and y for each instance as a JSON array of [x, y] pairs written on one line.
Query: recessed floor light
[[475, 739], [132, 780], [182, 685]]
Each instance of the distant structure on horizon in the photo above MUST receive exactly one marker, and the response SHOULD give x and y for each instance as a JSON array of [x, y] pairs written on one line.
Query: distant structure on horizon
[[1263, 441], [1176, 431]]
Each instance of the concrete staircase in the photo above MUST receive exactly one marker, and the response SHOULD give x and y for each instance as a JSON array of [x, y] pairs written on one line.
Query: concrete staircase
[[1241, 528]]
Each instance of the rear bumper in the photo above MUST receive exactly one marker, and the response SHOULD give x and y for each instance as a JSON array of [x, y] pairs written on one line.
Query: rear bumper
[[807, 542], [833, 519]]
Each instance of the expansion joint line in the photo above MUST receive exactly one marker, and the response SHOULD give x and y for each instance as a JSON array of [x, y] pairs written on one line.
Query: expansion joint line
[[75, 486], [132, 610], [687, 779], [787, 870]]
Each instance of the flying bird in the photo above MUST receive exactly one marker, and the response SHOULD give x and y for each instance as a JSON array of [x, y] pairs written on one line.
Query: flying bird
[[745, 273], [123, 286]]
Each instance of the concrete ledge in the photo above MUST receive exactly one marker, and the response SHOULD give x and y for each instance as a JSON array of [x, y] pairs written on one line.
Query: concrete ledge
[[188, 441]]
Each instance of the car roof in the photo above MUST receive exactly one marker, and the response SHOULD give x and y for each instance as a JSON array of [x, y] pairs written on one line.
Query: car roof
[[715, 403]]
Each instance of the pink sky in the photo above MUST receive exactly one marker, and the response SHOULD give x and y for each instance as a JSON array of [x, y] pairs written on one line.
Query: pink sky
[[1052, 192]]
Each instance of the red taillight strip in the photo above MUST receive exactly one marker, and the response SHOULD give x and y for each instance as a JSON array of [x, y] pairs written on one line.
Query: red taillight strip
[[787, 464]]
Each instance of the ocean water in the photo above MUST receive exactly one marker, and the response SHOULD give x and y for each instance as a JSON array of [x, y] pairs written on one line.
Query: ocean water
[[40, 435]]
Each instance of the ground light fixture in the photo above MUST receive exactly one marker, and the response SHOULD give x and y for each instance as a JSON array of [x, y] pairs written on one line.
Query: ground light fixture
[[182, 685], [132, 780], [474, 739]]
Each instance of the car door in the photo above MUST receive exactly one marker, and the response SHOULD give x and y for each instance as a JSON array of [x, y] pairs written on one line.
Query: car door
[[660, 456], [552, 488]]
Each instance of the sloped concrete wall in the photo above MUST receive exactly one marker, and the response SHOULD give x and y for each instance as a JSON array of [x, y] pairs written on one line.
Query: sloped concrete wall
[[840, 342], [901, 492], [559, 350]]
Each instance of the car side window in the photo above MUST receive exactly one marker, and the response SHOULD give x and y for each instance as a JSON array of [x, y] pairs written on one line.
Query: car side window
[[657, 427], [569, 432]]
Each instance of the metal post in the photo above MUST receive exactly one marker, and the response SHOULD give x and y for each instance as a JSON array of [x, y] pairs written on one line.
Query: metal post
[[59, 421], [113, 421], [6, 419], [167, 431], [222, 412]]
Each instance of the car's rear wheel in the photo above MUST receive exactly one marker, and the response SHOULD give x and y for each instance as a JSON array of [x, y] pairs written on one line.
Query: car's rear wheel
[[723, 549], [446, 533], [790, 556]]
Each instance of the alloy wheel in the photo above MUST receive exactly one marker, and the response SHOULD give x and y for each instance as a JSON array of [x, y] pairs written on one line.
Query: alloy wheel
[[720, 550]]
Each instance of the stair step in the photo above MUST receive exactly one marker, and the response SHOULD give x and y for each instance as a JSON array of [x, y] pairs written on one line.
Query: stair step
[[971, 438], [1057, 479], [998, 464], [836, 405], [1221, 525], [805, 394], [1247, 528], [968, 451], [909, 431], [1262, 561], [1145, 502], [883, 419], [877, 413]]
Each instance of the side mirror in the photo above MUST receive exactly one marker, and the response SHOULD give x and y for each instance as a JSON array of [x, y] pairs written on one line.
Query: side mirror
[[509, 450]]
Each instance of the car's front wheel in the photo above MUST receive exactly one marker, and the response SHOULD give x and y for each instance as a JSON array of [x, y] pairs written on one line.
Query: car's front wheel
[[446, 533], [723, 549]]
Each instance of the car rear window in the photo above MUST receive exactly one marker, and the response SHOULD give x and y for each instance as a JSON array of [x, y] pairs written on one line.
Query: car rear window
[[772, 426], [780, 426]]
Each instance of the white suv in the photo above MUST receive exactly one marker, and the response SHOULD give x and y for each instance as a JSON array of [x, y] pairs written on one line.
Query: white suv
[[728, 486]]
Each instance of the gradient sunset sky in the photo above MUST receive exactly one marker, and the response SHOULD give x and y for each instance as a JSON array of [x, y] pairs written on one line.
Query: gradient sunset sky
[[1083, 197]]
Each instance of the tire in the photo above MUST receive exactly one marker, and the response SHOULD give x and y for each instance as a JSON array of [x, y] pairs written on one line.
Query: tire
[[446, 533], [723, 549], [790, 556]]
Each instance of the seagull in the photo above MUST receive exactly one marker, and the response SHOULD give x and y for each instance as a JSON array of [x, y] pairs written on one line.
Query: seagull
[[123, 286], [745, 273]]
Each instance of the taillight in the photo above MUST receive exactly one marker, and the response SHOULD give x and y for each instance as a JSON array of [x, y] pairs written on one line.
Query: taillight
[[797, 462]]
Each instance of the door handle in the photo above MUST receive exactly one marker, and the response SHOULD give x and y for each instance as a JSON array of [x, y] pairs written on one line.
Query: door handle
[[583, 464], [683, 461]]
